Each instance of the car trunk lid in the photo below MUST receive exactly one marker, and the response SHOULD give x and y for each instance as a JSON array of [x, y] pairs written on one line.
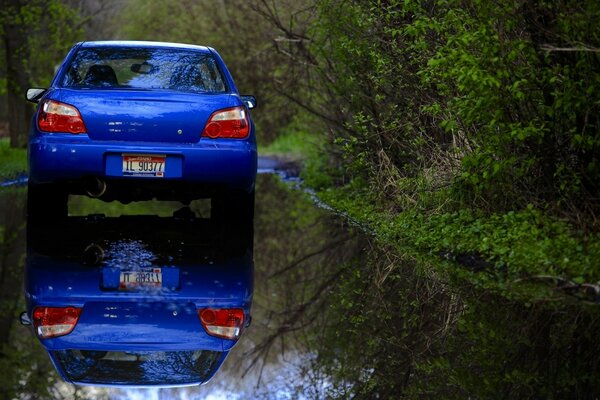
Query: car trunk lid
[[139, 324], [144, 115]]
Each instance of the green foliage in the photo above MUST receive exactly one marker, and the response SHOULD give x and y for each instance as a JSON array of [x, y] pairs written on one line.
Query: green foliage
[[241, 36], [13, 162], [51, 27], [382, 136], [495, 101], [515, 245], [35, 35], [292, 142], [83, 205], [297, 145], [521, 106]]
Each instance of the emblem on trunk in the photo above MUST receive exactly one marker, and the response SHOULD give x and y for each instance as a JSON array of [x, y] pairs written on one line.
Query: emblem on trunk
[[179, 131]]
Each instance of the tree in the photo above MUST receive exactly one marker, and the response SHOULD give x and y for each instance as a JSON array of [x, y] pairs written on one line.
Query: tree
[[35, 35], [241, 34], [16, 79]]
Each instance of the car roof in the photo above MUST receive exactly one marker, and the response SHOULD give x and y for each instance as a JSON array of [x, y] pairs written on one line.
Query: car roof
[[140, 43]]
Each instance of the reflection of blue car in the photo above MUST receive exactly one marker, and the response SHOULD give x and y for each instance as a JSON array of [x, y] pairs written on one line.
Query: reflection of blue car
[[141, 120], [160, 307]]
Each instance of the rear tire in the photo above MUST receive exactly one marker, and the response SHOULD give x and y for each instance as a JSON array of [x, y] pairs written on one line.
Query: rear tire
[[46, 202]]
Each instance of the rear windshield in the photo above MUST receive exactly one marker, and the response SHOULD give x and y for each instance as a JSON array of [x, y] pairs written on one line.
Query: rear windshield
[[144, 68], [138, 368]]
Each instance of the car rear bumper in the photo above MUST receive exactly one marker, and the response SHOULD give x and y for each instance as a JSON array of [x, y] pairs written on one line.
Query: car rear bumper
[[228, 163]]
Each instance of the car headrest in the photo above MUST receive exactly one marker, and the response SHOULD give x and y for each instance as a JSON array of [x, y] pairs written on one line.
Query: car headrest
[[100, 75]]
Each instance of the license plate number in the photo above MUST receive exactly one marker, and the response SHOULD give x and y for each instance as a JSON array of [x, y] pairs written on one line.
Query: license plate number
[[144, 165], [148, 277]]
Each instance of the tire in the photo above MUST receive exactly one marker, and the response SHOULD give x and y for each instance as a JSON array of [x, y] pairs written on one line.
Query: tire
[[233, 206], [46, 202]]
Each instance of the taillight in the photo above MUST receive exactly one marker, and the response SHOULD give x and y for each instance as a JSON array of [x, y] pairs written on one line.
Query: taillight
[[228, 123], [225, 323], [55, 116], [50, 322]]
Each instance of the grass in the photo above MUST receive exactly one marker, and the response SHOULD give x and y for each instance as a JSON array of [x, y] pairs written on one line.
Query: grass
[[292, 144], [304, 148], [13, 162], [83, 205], [296, 142]]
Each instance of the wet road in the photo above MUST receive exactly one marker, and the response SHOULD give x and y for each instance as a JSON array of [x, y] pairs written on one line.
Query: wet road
[[332, 313]]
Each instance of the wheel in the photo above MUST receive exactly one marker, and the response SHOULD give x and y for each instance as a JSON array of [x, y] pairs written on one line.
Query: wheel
[[46, 202], [233, 206]]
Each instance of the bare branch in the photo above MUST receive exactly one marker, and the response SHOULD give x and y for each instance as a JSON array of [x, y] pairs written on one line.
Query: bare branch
[[291, 323], [299, 261], [549, 48]]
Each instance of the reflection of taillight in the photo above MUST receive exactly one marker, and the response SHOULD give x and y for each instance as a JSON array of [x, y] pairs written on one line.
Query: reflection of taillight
[[228, 123], [225, 323], [50, 322], [55, 116]]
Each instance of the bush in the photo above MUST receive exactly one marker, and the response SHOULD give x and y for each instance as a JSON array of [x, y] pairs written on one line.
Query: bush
[[498, 100]]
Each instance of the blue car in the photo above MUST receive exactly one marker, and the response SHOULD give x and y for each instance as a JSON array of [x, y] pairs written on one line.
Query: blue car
[[138, 301], [130, 121]]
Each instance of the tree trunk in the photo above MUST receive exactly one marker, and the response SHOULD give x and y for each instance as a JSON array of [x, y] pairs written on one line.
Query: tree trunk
[[15, 42]]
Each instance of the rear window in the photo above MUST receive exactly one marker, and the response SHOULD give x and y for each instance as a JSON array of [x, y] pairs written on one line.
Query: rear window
[[138, 368], [144, 68]]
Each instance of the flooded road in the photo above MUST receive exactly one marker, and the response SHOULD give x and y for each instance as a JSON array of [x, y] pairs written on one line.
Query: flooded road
[[329, 313]]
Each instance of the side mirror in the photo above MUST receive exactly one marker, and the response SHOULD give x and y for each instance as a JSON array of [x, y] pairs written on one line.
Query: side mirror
[[24, 318], [35, 94], [249, 101]]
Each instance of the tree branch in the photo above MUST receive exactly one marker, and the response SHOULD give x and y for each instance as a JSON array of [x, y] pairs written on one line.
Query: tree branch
[[549, 48]]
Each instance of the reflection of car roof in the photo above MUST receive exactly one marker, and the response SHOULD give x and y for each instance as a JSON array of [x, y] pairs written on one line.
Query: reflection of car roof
[[138, 368]]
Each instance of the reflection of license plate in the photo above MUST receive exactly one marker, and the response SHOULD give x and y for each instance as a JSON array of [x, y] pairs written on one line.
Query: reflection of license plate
[[144, 165], [146, 277]]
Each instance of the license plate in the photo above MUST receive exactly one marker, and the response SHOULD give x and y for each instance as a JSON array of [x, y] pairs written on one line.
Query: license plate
[[144, 165], [147, 277]]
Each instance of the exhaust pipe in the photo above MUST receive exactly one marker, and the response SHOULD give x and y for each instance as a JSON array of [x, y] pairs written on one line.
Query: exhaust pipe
[[94, 187]]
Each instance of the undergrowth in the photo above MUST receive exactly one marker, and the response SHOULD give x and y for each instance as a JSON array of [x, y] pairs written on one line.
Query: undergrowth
[[13, 162], [497, 251]]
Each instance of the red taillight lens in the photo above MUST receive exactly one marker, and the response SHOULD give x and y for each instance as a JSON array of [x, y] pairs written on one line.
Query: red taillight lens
[[228, 123], [55, 116], [50, 322], [225, 323]]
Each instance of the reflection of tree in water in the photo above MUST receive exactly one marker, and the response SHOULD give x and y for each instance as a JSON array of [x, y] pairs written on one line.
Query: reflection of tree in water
[[24, 365], [395, 329], [300, 254], [179, 366], [346, 318]]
